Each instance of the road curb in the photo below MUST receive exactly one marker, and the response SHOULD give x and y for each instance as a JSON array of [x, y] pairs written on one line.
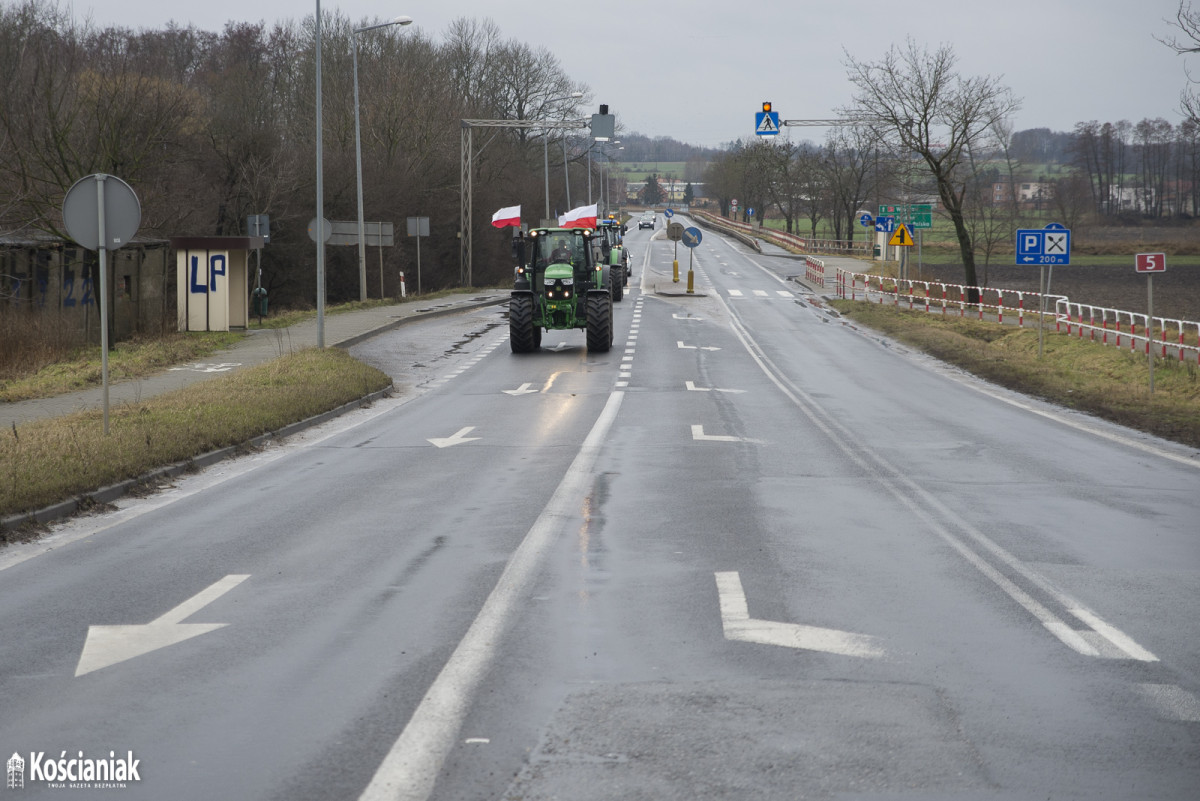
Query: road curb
[[436, 312]]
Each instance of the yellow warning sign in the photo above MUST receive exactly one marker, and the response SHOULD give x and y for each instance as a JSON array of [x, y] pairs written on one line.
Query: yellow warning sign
[[901, 237]]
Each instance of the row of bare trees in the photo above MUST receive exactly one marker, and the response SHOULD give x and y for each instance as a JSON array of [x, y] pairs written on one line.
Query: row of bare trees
[[209, 128], [917, 130], [1151, 169], [912, 131]]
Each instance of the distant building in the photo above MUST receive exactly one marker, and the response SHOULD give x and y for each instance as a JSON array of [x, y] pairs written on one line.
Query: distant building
[[1028, 194]]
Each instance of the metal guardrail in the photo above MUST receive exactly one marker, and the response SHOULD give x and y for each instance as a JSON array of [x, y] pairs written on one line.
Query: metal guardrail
[[786, 240]]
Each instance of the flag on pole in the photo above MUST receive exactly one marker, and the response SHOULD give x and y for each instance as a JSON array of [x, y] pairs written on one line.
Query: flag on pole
[[582, 217], [508, 217]]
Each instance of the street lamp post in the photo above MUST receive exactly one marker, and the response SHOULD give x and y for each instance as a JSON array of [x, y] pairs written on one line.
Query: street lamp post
[[362, 226], [320, 199], [606, 176], [546, 149]]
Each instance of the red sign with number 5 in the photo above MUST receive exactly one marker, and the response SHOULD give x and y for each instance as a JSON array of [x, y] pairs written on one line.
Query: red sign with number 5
[[1151, 262]]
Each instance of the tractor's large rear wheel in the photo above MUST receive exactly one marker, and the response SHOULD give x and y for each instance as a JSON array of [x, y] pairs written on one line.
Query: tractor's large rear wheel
[[599, 322], [523, 336]]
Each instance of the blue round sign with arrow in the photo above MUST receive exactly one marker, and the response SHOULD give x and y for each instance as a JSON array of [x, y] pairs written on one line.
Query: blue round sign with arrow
[[692, 237]]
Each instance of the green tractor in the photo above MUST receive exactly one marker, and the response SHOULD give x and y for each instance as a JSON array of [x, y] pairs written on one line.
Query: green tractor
[[561, 282], [611, 235]]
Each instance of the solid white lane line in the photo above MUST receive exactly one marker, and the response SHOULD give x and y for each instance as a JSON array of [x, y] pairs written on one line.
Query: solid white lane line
[[906, 490], [410, 769]]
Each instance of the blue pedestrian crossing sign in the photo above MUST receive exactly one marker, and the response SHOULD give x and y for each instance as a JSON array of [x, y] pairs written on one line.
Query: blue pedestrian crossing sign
[[766, 122]]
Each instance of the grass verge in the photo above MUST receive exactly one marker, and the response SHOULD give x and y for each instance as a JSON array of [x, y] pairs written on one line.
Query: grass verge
[[1108, 382], [142, 357], [49, 461], [135, 358]]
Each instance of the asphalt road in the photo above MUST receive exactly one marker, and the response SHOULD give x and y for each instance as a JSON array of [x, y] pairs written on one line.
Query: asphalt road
[[752, 552]]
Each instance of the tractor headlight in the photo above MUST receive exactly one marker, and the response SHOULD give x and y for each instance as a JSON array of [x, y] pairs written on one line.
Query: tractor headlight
[[559, 287]]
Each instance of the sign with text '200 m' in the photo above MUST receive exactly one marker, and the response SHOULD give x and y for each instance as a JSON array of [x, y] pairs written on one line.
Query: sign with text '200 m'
[[1049, 245]]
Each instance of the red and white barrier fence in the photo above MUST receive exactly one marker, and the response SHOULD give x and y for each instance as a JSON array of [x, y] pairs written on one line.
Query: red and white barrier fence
[[1160, 333], [814, 271], [1097, 323]]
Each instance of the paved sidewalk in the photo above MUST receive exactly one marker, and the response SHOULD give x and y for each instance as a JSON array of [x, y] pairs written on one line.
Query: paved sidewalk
[[260, 345]]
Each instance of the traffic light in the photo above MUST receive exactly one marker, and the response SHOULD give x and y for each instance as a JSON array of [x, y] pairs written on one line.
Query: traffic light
[[767, 106], [603, 125]]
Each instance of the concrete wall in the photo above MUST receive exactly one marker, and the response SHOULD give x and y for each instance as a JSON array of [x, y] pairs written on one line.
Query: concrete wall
[[62, 280]]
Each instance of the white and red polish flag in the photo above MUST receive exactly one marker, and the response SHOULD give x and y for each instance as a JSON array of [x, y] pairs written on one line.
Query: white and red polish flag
[[582, 217], [507, 218]]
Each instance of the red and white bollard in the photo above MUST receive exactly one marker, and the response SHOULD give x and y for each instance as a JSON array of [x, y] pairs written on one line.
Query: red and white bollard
[[403, 291]]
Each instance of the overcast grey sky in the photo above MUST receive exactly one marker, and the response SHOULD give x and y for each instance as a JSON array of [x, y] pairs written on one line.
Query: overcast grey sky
[[698, 70]]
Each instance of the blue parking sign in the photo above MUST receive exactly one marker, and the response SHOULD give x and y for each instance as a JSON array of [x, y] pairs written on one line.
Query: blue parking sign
[[1049, 245]]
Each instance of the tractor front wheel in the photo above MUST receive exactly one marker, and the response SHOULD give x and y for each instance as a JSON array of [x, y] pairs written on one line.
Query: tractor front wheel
[[599, 322], [523, 336]]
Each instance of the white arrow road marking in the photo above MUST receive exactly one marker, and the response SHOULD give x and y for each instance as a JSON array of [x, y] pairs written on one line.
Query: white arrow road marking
[[1171, 701], [738, 625], [686, 317], [458, 438], [524, 389], [693, 387], [108, 645], [208, 367], [699, 436], [559, 346], [682, 346]]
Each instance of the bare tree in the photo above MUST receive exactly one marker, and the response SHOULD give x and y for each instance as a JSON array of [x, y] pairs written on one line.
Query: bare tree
[[1070, 200], [789, 176], [851, 166], [918, 102], [1154, 140], [1187, 21]]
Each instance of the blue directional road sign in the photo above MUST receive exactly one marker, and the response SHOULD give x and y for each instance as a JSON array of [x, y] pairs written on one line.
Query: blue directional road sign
[[866, 221], [692, 237], [885, 225], [1049, 245], [668, 213], [766, 123]]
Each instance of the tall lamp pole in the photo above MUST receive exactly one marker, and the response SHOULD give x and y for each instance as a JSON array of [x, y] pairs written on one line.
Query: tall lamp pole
[[362, 226], [546, 149], [320, 200]]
